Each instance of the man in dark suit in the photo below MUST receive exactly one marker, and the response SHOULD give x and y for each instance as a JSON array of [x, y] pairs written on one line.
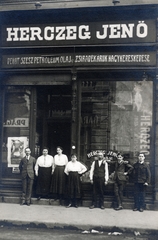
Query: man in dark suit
[[122, 169], [26, 167], [141, 178]]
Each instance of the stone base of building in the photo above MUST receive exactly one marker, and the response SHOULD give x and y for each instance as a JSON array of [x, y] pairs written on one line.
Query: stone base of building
[[108, 202]]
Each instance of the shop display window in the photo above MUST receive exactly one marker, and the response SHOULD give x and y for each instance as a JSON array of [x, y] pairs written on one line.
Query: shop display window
[[116, 117], [16, 127]]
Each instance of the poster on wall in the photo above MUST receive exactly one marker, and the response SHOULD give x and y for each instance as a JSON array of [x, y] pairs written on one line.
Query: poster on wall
[[16, 150]]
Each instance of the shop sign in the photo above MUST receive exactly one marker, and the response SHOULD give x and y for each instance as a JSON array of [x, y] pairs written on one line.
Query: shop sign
[[95, 153], [145, 129], [16, 122], [80, 59], [80, 33], [110, 153], [142, 133]]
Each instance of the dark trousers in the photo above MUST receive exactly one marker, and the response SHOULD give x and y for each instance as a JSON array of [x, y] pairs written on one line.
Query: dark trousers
[[139, 195], [98, 190], [27, 184], [118, 190]]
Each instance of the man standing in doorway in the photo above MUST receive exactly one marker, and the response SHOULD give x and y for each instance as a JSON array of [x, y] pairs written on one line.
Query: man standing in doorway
[[26, 167], [99, 175]]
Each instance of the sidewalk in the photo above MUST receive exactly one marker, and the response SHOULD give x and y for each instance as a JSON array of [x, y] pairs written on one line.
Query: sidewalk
[[81, 218]]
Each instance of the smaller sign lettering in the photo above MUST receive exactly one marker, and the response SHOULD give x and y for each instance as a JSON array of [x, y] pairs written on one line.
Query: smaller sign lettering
[[80, 59], [95, 153], [145, 125], [16, 122]]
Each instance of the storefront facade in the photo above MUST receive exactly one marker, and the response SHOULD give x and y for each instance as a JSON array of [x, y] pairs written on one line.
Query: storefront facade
[[84, 79]]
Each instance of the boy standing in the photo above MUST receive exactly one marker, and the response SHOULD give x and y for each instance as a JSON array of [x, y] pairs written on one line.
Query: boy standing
[[141, 176], [122, 169]]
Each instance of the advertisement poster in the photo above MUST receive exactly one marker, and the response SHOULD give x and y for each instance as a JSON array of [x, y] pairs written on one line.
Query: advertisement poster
[[16, 150]]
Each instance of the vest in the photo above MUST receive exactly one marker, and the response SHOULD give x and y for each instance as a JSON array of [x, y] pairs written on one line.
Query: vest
[[99, 171]]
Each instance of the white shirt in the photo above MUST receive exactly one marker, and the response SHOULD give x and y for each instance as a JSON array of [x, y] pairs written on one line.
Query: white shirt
[[60, 160], [75, 167], [44, 161], [106, 170]]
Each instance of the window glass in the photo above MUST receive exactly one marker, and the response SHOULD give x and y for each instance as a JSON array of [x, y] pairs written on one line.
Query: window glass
[[131, 118], [16, 126], [116, 117]]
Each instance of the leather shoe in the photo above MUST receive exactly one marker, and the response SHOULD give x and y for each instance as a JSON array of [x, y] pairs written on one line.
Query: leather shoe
[[76, 206], [22, 203], [102, 207], [141, 210], [28, 204], [135, 209], [119, 208], [91, 207], [68, 206]]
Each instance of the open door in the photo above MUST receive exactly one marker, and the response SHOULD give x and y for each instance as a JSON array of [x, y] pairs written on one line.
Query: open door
[[54, 118]]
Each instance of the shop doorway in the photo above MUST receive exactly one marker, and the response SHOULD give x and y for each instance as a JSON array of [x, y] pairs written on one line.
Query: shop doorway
[[53, 125], [59, 135]]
